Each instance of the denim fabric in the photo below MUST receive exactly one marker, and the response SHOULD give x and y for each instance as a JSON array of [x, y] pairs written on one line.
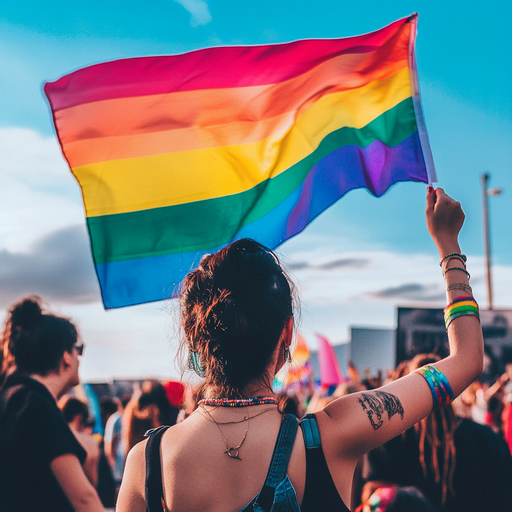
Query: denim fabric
[[278, 494]]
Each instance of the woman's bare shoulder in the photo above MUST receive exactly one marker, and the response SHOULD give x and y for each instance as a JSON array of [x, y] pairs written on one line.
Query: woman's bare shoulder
[[136, 459], [131, 494]]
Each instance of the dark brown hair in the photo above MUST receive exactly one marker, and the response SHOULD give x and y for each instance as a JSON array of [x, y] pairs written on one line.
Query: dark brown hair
[[33, 341], [234, 307], [437, 432], [72, 407]]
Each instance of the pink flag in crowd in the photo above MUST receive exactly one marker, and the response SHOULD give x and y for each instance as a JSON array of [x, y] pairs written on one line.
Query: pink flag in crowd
[[330, 372]]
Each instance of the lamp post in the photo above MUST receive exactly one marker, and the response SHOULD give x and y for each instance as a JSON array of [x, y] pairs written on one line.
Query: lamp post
[[488, 192]]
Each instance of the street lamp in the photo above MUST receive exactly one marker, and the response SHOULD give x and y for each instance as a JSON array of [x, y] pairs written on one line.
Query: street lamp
[[488, 192]]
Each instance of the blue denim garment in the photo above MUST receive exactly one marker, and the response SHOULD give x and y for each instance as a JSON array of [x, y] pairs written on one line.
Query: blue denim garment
[[278, 494]]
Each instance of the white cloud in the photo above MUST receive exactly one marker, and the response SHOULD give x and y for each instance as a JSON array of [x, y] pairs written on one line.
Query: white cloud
[[365, 291], [38, 194], [57, 266], [337, 292], [199, 11], [29, 157]]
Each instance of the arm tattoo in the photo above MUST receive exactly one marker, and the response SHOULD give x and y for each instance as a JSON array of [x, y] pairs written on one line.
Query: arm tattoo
[[374, 404]]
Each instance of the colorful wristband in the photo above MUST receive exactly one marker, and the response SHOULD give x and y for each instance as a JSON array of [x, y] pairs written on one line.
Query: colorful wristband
[[464, 306], [461, 306], [440, 388]]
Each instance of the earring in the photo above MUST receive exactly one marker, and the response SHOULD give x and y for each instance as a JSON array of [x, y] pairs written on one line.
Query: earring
[[287, 355], [194, 363]]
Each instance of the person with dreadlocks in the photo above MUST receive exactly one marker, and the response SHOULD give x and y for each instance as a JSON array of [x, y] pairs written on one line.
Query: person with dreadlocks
[[458, 464]]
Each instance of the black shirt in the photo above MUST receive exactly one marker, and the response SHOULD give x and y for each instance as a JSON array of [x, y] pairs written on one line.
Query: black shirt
[[33, 432], [482, 476]]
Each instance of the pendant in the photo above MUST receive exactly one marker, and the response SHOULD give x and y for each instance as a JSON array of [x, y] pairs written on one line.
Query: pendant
[[232, 453]]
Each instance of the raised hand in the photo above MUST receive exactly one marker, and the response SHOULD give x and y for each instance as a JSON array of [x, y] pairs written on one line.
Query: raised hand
[[444, 220]]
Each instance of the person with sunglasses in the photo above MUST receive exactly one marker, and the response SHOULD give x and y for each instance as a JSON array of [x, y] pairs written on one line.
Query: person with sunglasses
[[40, 458]]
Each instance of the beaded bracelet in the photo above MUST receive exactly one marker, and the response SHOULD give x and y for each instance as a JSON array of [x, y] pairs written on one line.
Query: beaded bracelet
[[440, 388], [456, 268], [453, 258], [461, 257], [459, 286], [460, 307]]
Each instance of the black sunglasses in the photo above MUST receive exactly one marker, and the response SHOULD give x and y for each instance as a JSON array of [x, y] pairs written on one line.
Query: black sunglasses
[[79, 348]]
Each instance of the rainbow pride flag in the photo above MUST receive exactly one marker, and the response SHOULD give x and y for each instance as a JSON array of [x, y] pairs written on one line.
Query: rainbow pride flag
[[177, 156]]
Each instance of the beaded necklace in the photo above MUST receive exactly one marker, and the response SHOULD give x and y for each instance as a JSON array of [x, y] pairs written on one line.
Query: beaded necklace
[[242, 402]]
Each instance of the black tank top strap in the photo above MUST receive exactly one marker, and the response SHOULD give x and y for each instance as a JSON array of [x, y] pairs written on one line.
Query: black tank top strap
[[153, 490], [320, 490]]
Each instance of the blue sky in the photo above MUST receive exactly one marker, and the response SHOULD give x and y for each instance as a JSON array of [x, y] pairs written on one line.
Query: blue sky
[[377, 251]]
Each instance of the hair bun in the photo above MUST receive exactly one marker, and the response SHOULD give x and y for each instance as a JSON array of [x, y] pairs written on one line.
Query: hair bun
[[218, 314], [27, 312], [225, 296]]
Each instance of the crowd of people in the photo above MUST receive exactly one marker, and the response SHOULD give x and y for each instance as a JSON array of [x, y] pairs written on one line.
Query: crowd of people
[[471, 467], [429, 437]]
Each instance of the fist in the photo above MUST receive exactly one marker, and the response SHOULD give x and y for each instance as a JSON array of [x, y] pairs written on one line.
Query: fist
[[444, 218]]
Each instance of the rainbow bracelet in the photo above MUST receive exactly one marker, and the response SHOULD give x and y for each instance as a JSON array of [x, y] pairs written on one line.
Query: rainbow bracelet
[[440, 388], [460, 307]]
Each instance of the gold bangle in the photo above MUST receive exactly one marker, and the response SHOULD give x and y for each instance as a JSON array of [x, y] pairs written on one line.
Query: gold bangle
[[459, 286]]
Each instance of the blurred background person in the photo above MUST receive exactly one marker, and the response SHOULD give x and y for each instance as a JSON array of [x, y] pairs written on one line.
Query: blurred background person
[[148, 408], [507, 412], [40, 458], [290, 404], [76, 413], [114, 447], [495, 404], [458, 464], [108, 407], [396, 499]]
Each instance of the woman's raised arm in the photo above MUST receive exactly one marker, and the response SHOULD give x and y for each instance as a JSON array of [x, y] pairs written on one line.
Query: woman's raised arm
[[355, 424]]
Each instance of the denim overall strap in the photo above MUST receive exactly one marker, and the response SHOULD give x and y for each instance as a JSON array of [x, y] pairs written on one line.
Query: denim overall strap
[[279, 463], [153, 488]]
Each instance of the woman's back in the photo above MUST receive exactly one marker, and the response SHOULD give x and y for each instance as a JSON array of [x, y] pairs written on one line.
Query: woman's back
[[194, 463], [272, 472], [237, 319]]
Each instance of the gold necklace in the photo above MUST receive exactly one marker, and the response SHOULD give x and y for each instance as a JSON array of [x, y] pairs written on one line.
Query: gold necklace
[[233, 451], [245, 418]]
